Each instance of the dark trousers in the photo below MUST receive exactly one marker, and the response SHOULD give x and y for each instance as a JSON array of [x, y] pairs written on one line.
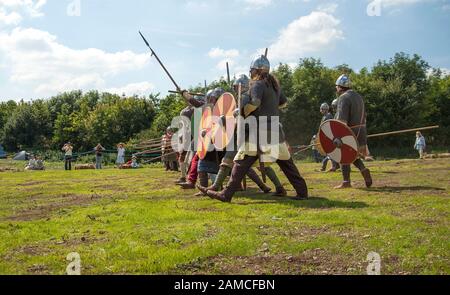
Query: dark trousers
[[68, 163], [288, 167], [316, 156], [335, 164], [173, 166], [346, 169]]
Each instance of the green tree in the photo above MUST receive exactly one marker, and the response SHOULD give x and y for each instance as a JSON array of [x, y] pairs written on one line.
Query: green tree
[[28, 126]]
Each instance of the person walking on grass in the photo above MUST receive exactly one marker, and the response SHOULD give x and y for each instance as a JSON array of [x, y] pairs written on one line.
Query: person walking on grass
[[99, 149], [120, 154], [420, 145], [68, 149], [351, 111]]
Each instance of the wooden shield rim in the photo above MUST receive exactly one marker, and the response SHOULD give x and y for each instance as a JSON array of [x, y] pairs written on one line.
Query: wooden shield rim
[[228, 116], [204, 142]]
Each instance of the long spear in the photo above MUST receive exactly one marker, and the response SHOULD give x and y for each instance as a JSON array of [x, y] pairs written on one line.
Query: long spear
[[159, 61], [191, 93], [305, 148], [228, 74], [403, 131]]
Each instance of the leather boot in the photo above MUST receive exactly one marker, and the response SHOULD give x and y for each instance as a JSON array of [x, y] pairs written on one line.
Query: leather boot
[[203, 177], [367, 177], [255, 178], [187, 185], [280, 192], [218, 196], [181, 180]]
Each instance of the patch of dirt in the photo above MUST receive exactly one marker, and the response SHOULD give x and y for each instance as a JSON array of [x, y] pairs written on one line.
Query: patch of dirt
[[310, 262], [38, 269], [110, 187], [84, 240], [55, 204], [28, 250], [31, 183], [301, 234], [7, 169]]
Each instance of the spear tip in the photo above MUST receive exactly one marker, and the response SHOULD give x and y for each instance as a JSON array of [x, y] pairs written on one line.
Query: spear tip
[[145, 40]]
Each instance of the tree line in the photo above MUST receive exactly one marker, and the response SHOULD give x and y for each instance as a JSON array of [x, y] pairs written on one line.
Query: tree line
[[400, 93]]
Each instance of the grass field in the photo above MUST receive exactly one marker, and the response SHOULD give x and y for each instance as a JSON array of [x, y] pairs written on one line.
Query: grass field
[[138, 222]]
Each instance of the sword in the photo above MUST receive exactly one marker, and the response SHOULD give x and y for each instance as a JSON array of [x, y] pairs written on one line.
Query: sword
[[159, 61]]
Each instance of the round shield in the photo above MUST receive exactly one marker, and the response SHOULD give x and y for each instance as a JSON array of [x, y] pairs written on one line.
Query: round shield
[[204, 133], [335, 131], [224, 123]]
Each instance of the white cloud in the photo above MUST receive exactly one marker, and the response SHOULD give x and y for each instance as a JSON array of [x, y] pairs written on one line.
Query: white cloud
[[307, 34], [35, 59], [257, 4], [12, 18], [221, 53], [197, 7], [329, 8], [140, 89], [390, 3], [224, 56], [397, 3], [11, 10]]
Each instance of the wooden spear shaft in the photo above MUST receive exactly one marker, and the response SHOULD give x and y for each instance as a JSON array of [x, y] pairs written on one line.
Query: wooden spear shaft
[[158, 158], [402, 131], [380, 135], [150, 141]]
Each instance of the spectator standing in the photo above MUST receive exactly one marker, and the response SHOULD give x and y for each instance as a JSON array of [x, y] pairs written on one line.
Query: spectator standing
[[68, 149], [99, 149], [420, 144]]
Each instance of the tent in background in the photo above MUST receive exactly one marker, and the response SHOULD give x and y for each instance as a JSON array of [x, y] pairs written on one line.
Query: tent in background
[[22, 156], [2, 153]]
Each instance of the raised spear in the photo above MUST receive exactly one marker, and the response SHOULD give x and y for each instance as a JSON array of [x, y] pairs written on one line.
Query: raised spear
[[159, 61]]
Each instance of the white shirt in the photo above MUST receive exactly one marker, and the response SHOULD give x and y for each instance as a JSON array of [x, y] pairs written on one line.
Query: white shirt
[[121, 152]]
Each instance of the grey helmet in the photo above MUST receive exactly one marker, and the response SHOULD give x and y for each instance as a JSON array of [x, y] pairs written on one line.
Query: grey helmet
[[260, 63], [325, 107], [334, 104], [244, 81], [208, 94], [218, 92], [344, 81]]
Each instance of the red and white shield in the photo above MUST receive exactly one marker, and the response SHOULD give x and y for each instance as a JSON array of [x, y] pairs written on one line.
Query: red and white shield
[[332, 130], [223, 130], [204, 133]]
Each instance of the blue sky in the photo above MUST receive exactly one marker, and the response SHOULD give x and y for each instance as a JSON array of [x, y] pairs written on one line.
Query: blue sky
[[51, 46]]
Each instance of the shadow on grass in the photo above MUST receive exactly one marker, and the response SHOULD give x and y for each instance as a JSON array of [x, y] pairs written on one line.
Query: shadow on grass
[[312, 202], [398, 189]]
